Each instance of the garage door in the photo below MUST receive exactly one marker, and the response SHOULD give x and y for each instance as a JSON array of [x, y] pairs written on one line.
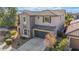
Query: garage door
[[74, 43], [40, 34]]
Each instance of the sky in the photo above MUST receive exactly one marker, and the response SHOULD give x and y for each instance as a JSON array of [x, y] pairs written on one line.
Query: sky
[[68, 9]]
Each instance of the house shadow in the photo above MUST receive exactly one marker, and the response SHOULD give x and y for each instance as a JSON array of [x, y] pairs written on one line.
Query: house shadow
[[75, 50]]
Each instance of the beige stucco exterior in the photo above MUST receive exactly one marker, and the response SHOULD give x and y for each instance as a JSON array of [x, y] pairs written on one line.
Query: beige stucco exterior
[[57, 20]]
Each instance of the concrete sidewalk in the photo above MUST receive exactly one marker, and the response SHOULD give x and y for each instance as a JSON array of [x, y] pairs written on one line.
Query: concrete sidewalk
[[35, 44]]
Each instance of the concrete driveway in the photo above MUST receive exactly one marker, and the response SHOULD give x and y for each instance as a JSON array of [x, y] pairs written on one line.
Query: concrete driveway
[[34, 44]]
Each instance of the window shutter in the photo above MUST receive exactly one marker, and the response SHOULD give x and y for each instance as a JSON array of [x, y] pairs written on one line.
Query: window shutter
[[43, 19], [50, 19]]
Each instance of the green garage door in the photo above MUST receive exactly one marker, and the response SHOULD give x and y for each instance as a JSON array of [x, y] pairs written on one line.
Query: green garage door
[[40, 34]]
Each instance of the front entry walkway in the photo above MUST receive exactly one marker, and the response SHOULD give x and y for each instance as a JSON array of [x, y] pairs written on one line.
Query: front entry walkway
[[34, 44]]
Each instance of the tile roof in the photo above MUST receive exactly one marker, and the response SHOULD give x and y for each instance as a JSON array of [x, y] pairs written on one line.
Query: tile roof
[[45, 12], [74, 25]]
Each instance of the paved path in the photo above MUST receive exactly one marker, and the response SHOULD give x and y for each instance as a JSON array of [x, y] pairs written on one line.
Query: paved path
[[35, 44]]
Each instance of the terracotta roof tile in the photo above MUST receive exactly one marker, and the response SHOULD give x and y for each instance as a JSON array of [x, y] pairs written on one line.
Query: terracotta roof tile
[[73, 26]]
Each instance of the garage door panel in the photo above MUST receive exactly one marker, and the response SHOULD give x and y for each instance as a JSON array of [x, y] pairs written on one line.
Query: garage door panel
[[40, 34]]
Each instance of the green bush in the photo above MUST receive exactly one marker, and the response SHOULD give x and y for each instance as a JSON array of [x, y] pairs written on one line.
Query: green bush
[[8, 41], [59, 34], [23, 38], [13, 32], [62, 45]]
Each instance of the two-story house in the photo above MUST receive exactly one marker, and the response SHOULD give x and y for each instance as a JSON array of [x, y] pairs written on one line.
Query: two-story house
[[39, 23]]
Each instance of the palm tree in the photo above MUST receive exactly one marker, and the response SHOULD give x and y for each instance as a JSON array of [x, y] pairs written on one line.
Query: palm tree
[[68, 19]]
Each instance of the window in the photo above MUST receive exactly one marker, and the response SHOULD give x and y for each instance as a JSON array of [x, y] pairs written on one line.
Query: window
[[24, 26], [38, 17], [77, 16], [47, 19], [24, 18], [25, 32], [19, 30]]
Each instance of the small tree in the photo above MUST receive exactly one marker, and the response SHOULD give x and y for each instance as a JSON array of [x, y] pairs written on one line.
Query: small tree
[[68, 19], [8, 16]]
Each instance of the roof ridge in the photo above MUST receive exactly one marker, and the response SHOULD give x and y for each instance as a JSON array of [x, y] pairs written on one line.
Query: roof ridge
[[72, 31], [52, 12], [74, 23]]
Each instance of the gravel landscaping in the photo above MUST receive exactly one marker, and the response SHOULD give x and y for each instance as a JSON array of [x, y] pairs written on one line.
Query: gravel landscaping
[[19, 42]]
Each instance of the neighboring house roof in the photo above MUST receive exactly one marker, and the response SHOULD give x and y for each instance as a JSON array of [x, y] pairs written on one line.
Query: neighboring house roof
[[3, 29], [74, 25], [74, 33], [74, 21], [45, 12]]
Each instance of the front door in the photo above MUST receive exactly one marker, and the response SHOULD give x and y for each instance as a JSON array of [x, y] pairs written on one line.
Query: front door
[[26, 32]]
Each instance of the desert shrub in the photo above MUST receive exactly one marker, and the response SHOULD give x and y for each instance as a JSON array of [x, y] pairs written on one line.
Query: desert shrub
[[50, 41], [8, 41], [13, 32]]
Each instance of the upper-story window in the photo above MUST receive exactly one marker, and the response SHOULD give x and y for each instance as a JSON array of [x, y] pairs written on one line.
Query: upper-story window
[[38, 17], [77, 16], [24, 18], [46, 19]]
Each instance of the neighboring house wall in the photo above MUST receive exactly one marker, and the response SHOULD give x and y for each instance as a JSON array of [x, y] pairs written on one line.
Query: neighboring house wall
[[76, 16], [75, 33], [74, 39], [73, 42]]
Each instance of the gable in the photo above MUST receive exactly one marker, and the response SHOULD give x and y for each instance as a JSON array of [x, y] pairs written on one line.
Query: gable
[[72, 27], [74, 33]]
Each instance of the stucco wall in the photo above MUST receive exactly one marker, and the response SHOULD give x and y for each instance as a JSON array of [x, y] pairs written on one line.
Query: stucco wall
[[55, 21], [74, 43], [22, 23]]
